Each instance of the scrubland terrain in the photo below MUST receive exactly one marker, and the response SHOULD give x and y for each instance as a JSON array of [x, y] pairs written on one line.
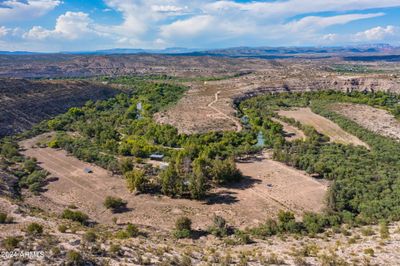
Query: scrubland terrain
[[374, 119], [24, 103], [262, 164]]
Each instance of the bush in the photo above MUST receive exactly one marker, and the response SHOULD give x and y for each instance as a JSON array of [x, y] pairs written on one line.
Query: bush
[[183, 227], [132, 230], [34, 229], [384, 230], [62, 228], [5, 219], [115, 249], [270, 228], [76, 216], [183, 223], [219, 227], [75, 258], [369, 251], [90, 236], [182, 233], [10, 243], [115, 204], [242, 237]]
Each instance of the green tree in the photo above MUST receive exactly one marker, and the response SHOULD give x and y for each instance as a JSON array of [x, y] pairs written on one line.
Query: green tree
[[114, 203], [136, 180]]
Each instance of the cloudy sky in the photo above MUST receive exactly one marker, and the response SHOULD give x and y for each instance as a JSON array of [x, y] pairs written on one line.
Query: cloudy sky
[[71, 25]]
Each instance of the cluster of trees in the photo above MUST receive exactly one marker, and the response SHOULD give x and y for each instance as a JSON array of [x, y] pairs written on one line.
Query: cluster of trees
[[122, 127], [311, 224], [192, 177], [365, 183], [26, 170]]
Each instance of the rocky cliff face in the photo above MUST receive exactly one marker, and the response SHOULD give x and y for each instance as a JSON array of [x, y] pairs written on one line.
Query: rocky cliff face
[[24, 103]]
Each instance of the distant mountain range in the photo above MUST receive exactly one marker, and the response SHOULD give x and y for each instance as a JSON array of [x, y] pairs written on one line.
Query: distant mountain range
[[258, 52]]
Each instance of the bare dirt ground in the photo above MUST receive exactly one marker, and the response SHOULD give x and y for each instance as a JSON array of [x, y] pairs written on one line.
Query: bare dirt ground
[[374, 119], [290, 188], [323, 126], [269, 187]]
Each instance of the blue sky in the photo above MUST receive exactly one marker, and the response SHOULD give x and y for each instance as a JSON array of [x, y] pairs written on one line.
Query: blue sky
[[72, 25]]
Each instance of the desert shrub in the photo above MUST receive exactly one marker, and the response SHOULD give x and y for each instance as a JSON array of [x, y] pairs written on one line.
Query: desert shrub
[[90, 236], [219, 227], [314, 223], [183, 227], [269, 228], [287, 223], [384, 230], [76, 216], [115, 204], [5, 218], [30, 165], [367, 231], [132, 230], [62, 228], [34, 181], [74, 258], [34, 229], [11, 242], [115, 249], [369, 251], [242, 238], [53, 144], [183, 223], [122, 234]]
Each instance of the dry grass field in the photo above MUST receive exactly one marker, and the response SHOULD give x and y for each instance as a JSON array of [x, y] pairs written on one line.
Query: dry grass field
[[323, 126], [374, 119]]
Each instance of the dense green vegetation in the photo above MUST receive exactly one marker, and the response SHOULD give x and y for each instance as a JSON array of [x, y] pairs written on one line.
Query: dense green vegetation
[[28, 174], [163, 77], [365, 183], [119, 134]]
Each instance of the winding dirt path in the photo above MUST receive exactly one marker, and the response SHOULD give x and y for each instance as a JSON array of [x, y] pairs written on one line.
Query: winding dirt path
[[210, 105]]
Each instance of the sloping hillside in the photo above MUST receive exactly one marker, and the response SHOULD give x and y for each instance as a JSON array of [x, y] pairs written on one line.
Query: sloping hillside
[[24, 103]]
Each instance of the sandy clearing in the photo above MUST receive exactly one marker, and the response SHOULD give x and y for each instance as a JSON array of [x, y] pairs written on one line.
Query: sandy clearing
[[247, 203], [323, 126], [376, 120], [293, 189]]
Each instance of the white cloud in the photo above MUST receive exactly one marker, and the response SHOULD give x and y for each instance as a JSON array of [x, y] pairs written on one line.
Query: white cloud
[[285, 9], [71, 25], [314, 23], [377, 33], [168, 8], [3, 31], [15, 10], [205, 23], [188, 27]]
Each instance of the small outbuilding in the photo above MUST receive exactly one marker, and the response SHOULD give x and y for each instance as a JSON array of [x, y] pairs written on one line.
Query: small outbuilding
[[157, 157]]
